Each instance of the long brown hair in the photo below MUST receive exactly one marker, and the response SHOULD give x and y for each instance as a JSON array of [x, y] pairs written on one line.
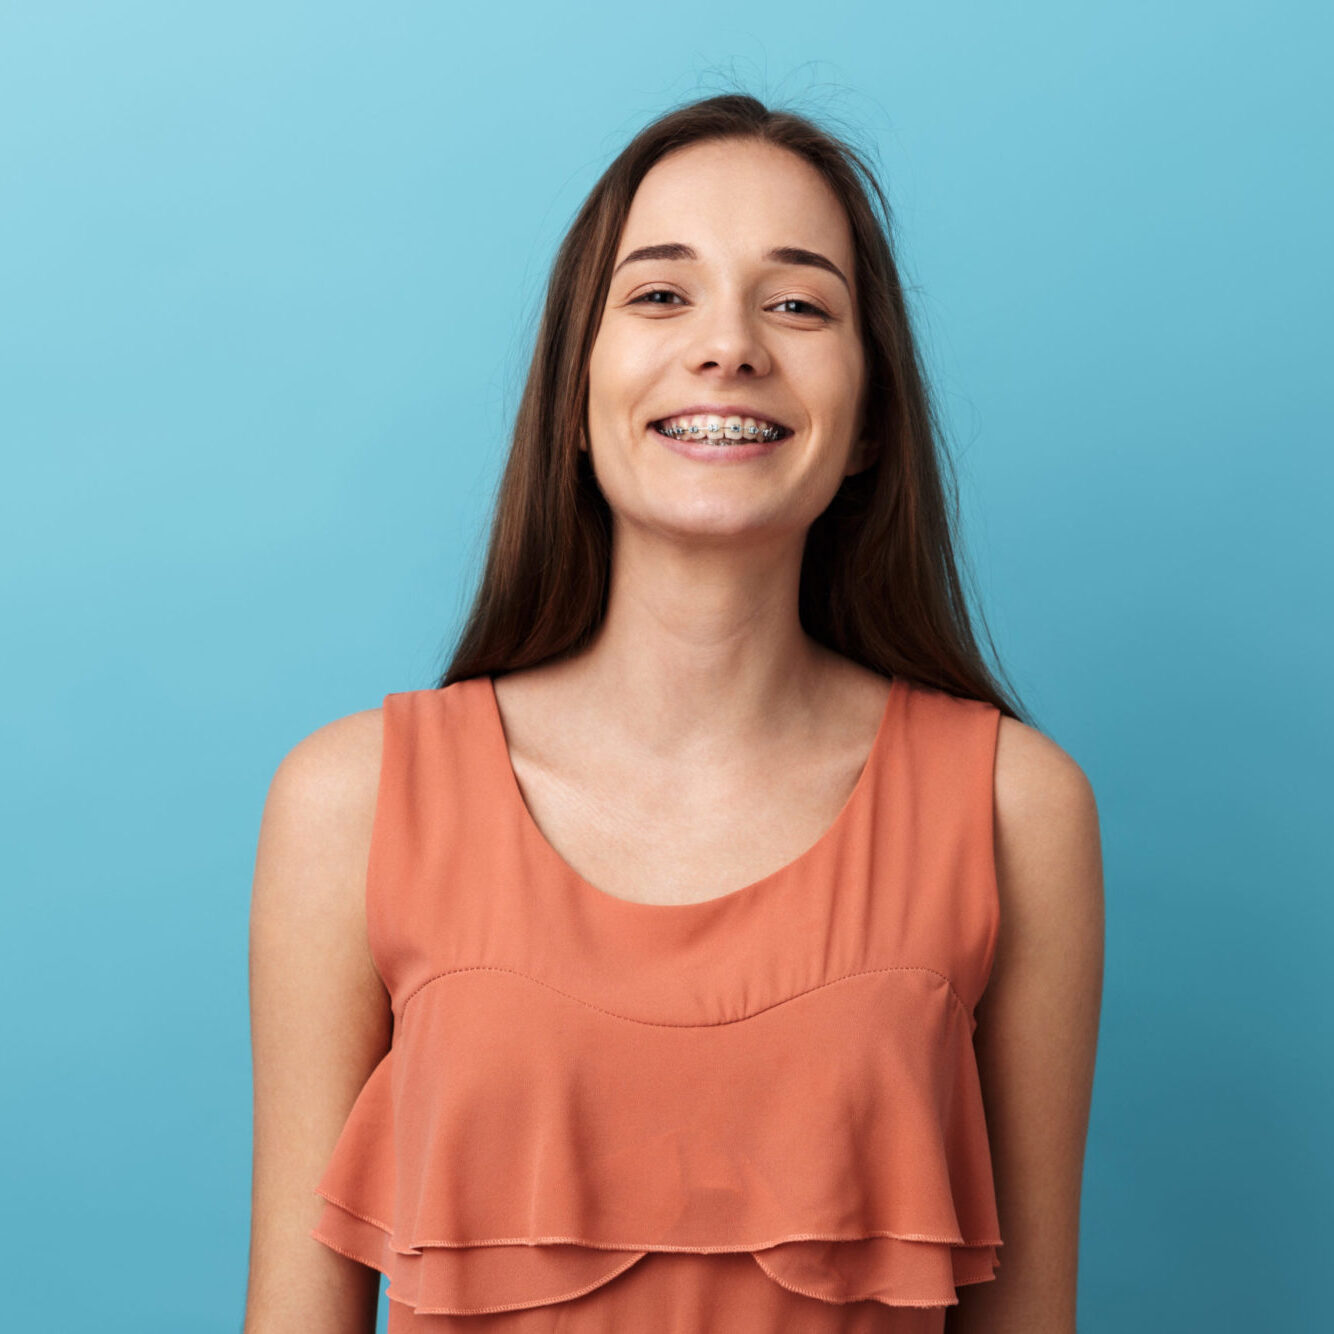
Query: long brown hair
[[879, 579]]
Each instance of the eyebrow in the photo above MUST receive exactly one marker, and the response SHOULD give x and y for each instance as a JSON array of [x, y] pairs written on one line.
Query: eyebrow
[[783, 254]]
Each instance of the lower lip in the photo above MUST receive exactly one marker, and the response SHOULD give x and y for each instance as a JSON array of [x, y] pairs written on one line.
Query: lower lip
[[733, 452]]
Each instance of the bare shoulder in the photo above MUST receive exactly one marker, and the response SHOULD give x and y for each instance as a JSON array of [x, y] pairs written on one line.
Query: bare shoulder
[[331, 770], [314, 835], [1037, 781], [314, 842], [1047, 837]]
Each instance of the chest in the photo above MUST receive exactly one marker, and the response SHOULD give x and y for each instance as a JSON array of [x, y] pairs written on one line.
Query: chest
[[652, 836]]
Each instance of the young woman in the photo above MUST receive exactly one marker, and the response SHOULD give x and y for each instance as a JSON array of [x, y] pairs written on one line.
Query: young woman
[[714, 947]]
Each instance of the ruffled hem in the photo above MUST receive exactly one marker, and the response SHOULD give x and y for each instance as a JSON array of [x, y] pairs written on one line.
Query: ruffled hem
[[472, 1280], [538, 1160], [898, 1271], [468, 1280]]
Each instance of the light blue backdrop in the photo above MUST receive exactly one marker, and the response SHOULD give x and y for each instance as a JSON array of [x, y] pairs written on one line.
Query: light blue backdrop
[[268, 276]]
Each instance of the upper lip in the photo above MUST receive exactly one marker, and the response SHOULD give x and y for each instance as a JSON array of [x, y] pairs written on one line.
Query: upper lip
[[724, 410]]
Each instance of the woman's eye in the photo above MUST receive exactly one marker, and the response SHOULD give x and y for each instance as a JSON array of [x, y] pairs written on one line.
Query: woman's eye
[[801, 301], [643, 298], [657, 291]]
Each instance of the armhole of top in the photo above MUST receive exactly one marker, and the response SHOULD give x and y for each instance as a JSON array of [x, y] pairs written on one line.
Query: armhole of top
[[990, 880], [381, 833]]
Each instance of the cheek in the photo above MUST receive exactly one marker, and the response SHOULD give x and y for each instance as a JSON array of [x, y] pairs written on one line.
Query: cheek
[[840, 370], [611, 385], [629, 356], [842, 406]]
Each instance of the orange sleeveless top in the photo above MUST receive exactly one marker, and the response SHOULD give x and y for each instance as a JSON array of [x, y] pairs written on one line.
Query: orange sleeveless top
[[757, 1112]]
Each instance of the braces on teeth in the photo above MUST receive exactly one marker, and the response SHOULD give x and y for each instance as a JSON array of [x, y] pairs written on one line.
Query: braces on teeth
[[733, 433]]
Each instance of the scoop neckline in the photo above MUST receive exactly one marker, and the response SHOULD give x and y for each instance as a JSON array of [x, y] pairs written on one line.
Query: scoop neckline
[[548, 850]]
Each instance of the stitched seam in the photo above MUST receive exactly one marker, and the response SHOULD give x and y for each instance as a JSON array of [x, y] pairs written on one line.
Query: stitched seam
[[523, 1305], [731, 1248], [654, 1023], [348, 1209], [334, 1246], [736, 1247], [808, 1292]]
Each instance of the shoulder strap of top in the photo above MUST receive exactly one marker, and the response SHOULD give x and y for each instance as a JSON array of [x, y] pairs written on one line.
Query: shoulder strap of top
[[941, 862], [434, 776]]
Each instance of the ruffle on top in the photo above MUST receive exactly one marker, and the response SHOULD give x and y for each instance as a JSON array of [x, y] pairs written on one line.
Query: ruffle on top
[[519, 1146]]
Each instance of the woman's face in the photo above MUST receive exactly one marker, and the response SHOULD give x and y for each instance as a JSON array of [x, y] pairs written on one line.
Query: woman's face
[[717, 319]]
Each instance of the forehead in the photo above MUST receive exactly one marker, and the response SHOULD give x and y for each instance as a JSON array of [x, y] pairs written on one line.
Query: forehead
[[737, 199]]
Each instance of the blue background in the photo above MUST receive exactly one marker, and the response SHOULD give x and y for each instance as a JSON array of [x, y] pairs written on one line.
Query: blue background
[[268, 278]]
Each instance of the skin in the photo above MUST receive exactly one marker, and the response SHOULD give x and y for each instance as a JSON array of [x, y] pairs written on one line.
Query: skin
[[699, 744], [1037, 1034]]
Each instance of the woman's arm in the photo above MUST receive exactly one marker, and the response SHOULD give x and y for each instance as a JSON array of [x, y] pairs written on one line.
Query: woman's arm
[[1037, 1033], [320, 1021]]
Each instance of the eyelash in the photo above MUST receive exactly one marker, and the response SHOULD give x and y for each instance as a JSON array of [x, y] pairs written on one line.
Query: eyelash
[[821, 313]]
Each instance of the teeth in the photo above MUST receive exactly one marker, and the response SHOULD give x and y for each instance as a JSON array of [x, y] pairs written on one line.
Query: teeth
[[718, 429]]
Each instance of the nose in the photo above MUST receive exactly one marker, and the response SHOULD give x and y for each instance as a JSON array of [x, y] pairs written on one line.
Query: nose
[[727, 338]]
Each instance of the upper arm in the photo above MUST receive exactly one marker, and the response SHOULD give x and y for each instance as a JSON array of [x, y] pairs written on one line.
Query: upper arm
[[1037, 1033], [320, 1021]]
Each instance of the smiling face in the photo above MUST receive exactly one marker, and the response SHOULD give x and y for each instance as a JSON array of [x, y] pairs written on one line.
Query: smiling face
[[720, 310]]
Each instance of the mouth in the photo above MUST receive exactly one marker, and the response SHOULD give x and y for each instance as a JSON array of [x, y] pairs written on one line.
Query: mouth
[[714, 429]]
